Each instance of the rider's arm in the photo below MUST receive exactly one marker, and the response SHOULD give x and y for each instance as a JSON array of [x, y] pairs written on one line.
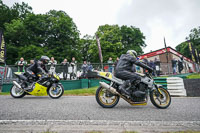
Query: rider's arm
[[143, 65], [41, 69]]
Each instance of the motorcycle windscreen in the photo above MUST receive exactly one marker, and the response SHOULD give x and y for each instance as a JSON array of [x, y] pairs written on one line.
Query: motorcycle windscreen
[[39, 90]]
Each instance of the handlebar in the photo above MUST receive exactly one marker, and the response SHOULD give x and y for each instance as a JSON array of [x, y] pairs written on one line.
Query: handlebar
[[144, 66]]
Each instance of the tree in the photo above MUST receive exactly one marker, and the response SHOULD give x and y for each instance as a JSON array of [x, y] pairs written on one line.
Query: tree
[[54, 33], [132, 38], [183, 48], [194, 38], [117, 40], [62, 36], [85, 43], [15, 12], [21, 9]]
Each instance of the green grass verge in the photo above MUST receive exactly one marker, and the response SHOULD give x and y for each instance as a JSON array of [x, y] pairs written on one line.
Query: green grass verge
[[81, 92], [194, 76], [76, 92], [4, 93]]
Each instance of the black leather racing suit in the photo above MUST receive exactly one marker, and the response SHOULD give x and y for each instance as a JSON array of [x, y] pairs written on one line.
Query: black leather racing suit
[[124, 68], [36, 67]]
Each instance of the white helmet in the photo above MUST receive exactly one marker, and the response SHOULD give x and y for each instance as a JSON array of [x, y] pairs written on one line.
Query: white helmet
[[45, 59], [132, 52]]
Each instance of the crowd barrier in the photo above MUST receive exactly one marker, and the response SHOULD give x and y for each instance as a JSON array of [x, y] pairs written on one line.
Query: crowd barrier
[[175, 85]]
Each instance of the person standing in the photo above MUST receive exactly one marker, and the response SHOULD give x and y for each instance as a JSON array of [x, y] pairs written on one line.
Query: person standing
[[174, 65], [146, 62], [53, 64], [110, 64], [115, 64], [180, 65], [90, 67], [152, 65], [21, 65], [84, 67], [157, 66], [73, 65], [65, 64]]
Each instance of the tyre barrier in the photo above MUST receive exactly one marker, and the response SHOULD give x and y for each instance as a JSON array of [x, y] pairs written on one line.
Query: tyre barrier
[[174, 85]]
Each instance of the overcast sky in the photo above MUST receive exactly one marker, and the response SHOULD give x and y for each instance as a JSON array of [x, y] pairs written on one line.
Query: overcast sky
[[172, 19]]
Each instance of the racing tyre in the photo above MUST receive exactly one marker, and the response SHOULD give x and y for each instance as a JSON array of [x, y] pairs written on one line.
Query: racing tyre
[[161, 99], [56, 92], [105, 98], [17, 92]]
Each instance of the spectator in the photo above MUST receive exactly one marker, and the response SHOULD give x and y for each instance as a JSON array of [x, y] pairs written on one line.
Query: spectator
[[152, 65], [110, 64], [21, 65], [73, 65], [31, 62], [174, 65], [90, 67], [180, 64], [84, 67], [53, 64], [115, 64], [157, 66], [65, 68], [145, 61]]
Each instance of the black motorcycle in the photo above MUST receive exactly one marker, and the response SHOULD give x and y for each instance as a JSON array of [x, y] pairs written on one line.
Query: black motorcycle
[[108, 94]]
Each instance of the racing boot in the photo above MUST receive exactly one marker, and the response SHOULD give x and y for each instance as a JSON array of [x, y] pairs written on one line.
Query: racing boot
[[125, 87]]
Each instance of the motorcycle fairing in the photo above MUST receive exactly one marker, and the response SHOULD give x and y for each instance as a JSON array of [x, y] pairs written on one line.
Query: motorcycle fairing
[[106, 74], [39, 90], [109, 76]]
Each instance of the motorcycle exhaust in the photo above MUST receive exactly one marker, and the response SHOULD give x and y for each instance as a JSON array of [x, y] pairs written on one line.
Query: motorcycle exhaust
[[16, 84], [109, 88]]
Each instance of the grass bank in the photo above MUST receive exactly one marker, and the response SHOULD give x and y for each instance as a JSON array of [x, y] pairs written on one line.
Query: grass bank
[[194, 76], [76, 92], [81, 92]]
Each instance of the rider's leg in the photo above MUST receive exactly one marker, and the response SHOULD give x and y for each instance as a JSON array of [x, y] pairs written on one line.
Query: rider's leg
[[129, 78]]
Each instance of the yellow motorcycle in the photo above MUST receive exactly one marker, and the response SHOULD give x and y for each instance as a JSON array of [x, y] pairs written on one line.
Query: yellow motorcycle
[[42, 86], [108, 94]]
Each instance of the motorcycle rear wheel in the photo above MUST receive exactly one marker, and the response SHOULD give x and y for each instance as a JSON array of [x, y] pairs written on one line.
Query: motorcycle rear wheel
[[105, 98], [17, 92], [162, 100]]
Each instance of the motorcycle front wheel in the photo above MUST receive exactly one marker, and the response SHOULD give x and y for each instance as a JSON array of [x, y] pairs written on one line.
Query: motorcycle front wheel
[[105, 98], [160, 98], [17, 92], [56, 92]]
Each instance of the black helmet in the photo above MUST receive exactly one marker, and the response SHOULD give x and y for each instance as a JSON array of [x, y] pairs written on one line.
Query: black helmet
[[44, 59], [132, 52]]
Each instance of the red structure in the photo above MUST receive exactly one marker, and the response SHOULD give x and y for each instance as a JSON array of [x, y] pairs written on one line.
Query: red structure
[[165, 66]]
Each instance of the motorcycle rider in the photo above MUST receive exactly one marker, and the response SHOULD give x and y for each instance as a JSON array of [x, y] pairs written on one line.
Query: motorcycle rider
[[38, 67], [124, 70]]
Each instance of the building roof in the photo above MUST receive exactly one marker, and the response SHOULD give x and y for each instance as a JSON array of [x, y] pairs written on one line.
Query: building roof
[[162, 51]]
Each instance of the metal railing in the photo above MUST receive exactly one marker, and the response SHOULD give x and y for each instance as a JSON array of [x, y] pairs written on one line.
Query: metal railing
[[163, 69]]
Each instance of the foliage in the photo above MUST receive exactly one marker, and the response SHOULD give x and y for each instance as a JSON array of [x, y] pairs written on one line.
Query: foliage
[[117, 40], [55, 34], [32, 35], [194, 38], [85, 43], [183, 48]]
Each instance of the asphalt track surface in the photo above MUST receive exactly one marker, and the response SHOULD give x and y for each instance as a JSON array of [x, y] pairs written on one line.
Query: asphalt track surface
[[82, 114]]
